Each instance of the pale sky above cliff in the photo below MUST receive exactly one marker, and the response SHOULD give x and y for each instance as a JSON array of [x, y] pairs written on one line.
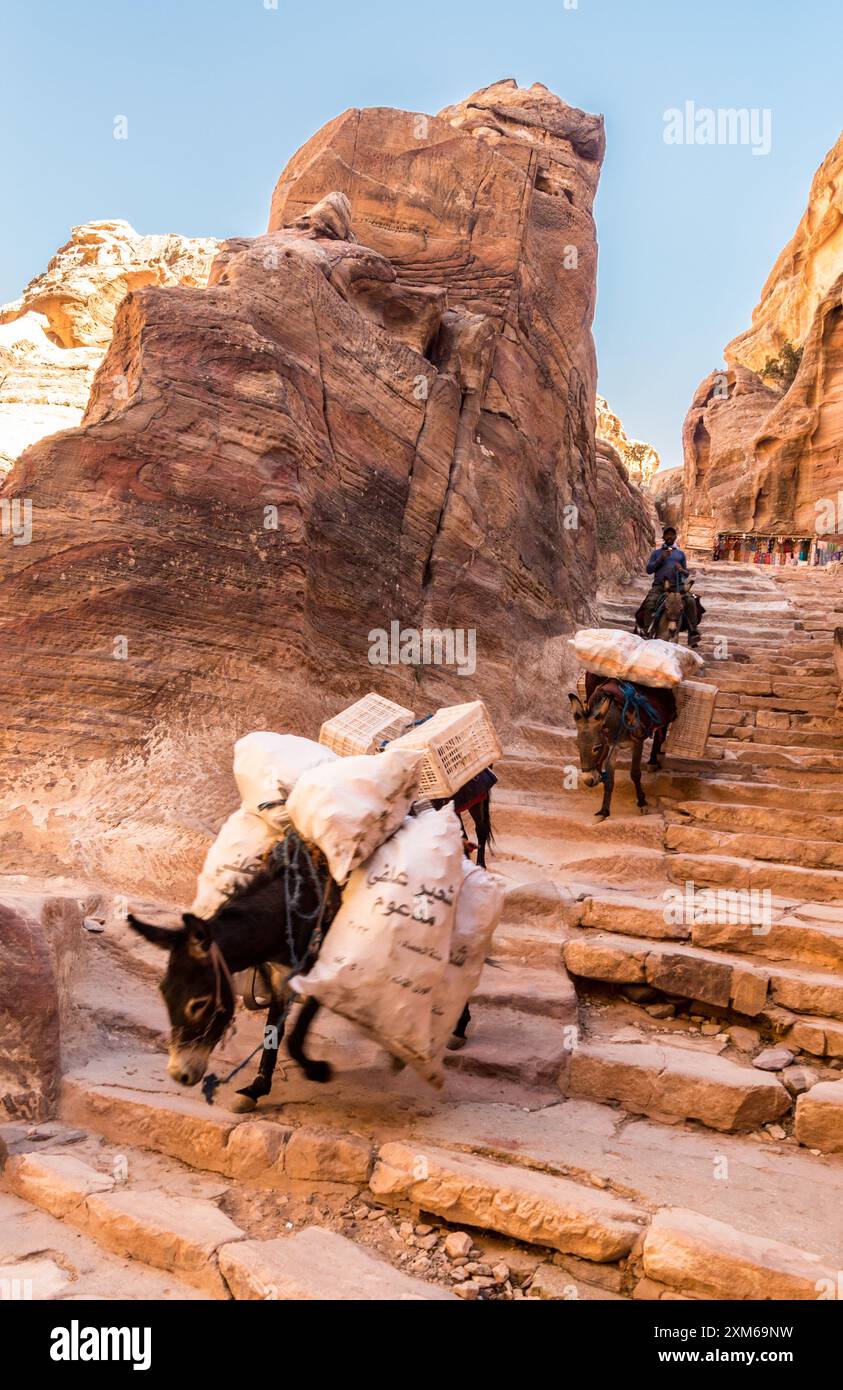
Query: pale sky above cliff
[[219, 93]]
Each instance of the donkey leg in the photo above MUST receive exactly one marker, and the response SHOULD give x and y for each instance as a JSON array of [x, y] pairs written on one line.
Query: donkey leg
[[458, 1038], [313, 1070], [608, 787], [273, 1033], [656, 748], [478, 815], [635, 773]]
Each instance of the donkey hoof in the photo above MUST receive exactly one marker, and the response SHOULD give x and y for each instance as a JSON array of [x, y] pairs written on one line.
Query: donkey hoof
[[243, 1102], [318, 1071], [601, 815]]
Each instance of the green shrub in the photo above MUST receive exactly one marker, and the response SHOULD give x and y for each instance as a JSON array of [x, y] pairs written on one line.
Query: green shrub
[[783, 369]]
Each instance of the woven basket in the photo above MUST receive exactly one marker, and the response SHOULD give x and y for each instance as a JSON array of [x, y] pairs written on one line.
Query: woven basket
[[460, 742], [688, 734], [364, 726]]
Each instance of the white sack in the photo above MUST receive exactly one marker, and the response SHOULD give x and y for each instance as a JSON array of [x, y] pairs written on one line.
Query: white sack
[[478, 910], [625, 656], [267, 767], [236, 855], [383, 960], [406, 949], [349, 806]]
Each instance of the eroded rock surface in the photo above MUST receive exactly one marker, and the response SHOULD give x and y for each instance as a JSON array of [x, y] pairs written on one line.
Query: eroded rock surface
[[381, 410], [759, 457], [53, 338]]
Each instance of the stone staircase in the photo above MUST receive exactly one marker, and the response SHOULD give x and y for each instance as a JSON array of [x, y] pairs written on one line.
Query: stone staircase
[[649, 1105]]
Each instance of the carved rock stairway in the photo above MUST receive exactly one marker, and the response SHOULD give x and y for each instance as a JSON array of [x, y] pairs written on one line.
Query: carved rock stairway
[[758, 815], [612, 1141]]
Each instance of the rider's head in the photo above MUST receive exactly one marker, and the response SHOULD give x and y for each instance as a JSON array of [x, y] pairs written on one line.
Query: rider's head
[[669, 535]]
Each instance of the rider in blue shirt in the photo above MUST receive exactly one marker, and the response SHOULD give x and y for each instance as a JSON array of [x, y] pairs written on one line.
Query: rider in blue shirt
[[668, 562]]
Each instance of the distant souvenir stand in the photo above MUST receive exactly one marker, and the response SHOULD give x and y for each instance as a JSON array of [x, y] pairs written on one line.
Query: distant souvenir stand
[[754, 547]]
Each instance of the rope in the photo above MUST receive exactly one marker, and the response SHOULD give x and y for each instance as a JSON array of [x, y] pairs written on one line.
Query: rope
[[640, 705]]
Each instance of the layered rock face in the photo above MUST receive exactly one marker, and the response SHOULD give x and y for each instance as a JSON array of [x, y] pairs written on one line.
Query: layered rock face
[[758, 458], [53, 338], [382, 410], [640, 460], [803, 274], [666, 488], [626, 519]]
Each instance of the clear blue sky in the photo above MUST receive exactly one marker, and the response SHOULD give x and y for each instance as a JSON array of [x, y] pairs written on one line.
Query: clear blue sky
[[219, 93]]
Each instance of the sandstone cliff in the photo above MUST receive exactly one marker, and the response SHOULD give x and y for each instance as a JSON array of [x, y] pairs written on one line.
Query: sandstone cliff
[[626, 520], [53, 338], [803, 274], [665, 488], [757, 457], [381, 410], [640, 460]]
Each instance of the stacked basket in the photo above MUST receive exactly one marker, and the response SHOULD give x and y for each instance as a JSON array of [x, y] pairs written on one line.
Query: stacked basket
[[460, 741]]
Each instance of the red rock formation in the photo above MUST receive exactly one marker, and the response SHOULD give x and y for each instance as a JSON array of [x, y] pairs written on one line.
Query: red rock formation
[[40, 940], [381, 410], [53, 338], [665, 489], [625, 519], [758, 458]]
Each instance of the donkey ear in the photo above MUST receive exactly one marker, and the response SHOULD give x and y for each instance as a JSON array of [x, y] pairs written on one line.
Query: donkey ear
[[602, 709], [198, 934], [165, 937], [576, 705]]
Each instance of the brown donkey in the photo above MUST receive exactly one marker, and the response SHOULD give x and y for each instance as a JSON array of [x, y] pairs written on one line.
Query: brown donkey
[[618, 712]]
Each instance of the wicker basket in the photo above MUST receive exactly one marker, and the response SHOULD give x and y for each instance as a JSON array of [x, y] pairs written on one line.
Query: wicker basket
[[688, 734], [365, 725], [460, 742]]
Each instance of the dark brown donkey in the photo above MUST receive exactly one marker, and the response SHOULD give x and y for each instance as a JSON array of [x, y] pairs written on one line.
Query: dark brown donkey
[[618, 712]]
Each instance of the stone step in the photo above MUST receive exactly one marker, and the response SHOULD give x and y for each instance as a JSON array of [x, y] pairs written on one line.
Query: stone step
[[734, 787], [789, 736], [318, 1265], [747, 816], [570, 816], [658, 1167], [728, 871], [822, 1037], [52, 1260], [705, 1259], [676, 1083], [819, 1117], [757, 755], [530, 1206], [178, 1234], [507, 1044], [752, 844], [790, 938], [688, 971], [531, 990]]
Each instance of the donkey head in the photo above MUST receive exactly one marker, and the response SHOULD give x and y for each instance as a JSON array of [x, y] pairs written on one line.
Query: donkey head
[[593, 735], [197, 991], [671, 614]]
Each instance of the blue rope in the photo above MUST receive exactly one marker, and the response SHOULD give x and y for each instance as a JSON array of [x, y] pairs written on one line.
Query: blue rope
[[640, 705]]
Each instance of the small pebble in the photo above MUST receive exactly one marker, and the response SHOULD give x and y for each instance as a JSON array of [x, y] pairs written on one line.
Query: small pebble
[[773, 1059]]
